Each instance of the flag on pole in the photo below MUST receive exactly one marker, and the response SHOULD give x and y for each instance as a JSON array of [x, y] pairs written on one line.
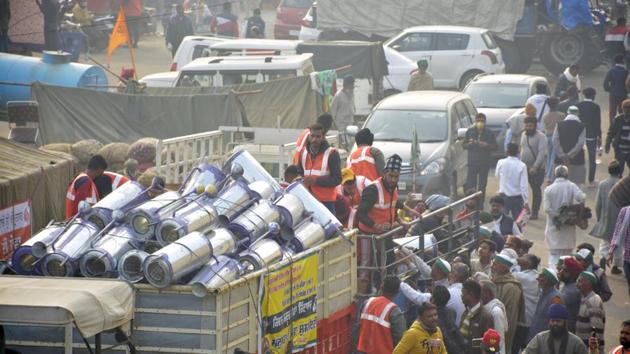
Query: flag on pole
[[120, 35]]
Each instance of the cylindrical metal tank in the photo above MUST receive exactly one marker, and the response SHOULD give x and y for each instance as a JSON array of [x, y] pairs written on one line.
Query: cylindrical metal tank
[[52, 68]]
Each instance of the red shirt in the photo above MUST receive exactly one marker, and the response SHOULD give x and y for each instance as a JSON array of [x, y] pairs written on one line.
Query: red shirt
[[132, 7]]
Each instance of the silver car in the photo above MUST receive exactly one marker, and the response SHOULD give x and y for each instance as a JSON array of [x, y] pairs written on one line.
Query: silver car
[[440, 119], [500, 96]]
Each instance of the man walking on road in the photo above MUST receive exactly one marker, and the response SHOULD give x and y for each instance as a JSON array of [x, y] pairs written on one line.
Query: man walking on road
[[512, 174], [533, 154], [479, 142], [590, 116], [568, 143], [560, 239], [619, 136], [226, 23], [606, 212], [540, 101], [551, 120], [615, 85], [179, 26], [342, 106]]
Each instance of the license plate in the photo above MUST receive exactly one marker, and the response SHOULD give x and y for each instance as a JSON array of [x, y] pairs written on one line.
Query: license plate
[[294, 32], [402, 186]]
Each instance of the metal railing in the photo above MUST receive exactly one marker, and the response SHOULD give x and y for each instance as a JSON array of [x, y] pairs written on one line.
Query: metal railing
[[456, 235], [176, 157]]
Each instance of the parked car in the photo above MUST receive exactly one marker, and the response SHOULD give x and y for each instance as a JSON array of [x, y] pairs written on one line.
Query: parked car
[[309, 31], [501, 96], [440, 119], [455, 54], [191, 48], [233, 70], [289, 18]]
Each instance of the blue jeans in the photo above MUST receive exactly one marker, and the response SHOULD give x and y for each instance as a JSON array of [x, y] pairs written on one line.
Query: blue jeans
[[551, 157], [513, 205]]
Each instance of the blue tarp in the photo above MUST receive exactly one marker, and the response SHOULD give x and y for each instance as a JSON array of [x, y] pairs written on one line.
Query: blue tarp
[[576, 13]]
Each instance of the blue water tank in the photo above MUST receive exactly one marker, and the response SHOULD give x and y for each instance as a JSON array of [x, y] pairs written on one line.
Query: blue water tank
[[53, 68]]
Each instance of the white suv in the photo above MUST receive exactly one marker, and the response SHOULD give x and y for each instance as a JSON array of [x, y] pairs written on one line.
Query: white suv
[[455, 54]]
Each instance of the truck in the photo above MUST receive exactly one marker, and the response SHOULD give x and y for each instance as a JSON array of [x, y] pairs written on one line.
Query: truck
[[524, 29]]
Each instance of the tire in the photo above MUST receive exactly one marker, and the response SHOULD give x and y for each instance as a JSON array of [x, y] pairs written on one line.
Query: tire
[[561, 50], [467, 77]]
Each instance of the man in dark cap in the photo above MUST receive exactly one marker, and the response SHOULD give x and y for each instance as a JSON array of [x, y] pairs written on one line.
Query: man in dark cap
[[421, 79], [342, 106], [557, 339], [366, 160], [479, 141], [377, 211]]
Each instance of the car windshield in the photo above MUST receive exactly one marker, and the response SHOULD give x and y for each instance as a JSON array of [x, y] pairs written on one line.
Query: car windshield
[[398, 125], [498, 95]]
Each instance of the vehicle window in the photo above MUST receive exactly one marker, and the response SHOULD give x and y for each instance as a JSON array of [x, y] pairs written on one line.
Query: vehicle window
[[461, 118], [487, 38], [278, 74], [472, 112], [398, 125], [415, 42], [200, 51], [195, 79], [297, 3], [464, 115], [498, 95], [239, 77], [452, 41]]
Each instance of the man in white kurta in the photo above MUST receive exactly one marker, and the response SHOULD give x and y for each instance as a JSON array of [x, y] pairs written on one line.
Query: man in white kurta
[[560, 241]]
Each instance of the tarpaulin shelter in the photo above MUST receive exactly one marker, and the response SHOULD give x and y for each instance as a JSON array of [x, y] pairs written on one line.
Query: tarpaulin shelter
[[68, 115], [289, 103], [388, 17], [366, 58], [39, 176]]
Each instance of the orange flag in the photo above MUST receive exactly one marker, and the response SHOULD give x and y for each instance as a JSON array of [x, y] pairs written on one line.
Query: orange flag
[[119, 35]]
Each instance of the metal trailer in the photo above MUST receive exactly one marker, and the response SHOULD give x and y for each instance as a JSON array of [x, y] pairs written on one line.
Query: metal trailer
[[460, 236], [272, 147], [173, 320]]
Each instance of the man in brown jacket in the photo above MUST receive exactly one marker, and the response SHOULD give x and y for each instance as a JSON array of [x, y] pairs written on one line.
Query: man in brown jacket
[[476, 320], [510, 293]]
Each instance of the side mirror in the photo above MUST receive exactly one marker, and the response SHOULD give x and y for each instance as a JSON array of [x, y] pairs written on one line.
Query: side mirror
[[84, 207], [236, 171], [396, 47], [352, 130], [461, 133]]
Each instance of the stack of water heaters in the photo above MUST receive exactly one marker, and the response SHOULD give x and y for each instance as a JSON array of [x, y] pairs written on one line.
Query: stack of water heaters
[[221, 224]]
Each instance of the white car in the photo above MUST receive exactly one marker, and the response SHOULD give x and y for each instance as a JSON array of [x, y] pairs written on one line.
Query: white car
[[455, 54], [191, 48], [233, 70]]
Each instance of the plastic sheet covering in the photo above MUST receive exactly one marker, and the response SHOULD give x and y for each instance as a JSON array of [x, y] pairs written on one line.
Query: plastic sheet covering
[[41, 176], [288, 102], [95, 305], [114, 117], [388, 17], [367, 58]]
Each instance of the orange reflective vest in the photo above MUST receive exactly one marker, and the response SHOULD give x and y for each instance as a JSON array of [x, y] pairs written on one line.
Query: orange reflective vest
[[375, 335], [617, 350], [319, 168], [73, 198], [117, 179], [384, 210], [361, 162], [300, 145]]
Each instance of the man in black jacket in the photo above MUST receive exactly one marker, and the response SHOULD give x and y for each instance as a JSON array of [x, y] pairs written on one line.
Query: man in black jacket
[[619, 136], [590, 115], [569, 139], [615, 85], [479, 142]]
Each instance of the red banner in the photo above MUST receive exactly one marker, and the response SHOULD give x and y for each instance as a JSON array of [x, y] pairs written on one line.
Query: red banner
[[15, 227]]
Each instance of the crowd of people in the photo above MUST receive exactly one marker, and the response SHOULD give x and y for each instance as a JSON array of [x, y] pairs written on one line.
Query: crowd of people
[[500, 299]]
